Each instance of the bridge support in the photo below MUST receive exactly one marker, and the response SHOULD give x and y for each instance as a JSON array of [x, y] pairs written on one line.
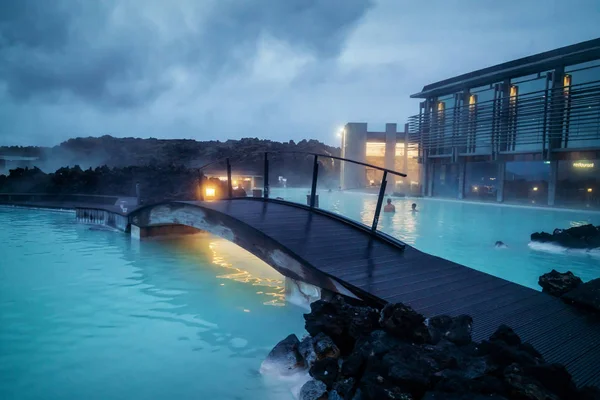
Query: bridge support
[[301, 293], [138, 232]]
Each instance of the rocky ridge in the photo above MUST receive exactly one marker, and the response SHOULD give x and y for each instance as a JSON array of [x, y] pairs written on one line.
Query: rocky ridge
[[361, 353]]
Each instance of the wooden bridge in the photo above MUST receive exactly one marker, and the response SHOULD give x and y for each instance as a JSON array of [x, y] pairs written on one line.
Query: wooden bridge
[[378, 268], [338, 254]]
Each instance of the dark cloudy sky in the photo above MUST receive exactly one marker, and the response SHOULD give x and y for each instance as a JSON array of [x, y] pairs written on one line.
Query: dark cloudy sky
[[277, 69]]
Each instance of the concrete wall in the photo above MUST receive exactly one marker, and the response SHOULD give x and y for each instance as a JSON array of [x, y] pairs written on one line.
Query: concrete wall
[[354, 144]]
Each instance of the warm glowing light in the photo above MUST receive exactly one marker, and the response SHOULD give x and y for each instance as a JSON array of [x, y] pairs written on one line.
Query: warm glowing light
[[590, 190], [441, 106], [399, 182], [514, 91], [256, 273], [222, 178], [583, 164], [210, 192], [247, 179], [535, 188], [235, 183], [472, 99], [371, 181], [566, 83], [475, 188]]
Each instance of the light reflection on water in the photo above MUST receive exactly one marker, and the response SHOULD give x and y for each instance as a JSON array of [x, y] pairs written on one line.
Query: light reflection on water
[[95, 315], [465, 232], [229, 256]]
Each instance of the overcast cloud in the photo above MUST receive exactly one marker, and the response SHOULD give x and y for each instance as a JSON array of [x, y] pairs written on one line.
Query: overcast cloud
[[275, 69]]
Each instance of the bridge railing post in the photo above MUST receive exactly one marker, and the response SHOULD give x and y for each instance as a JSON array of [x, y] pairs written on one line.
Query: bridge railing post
[[379, 202], [229, 185], [266, 176], [313, 189]]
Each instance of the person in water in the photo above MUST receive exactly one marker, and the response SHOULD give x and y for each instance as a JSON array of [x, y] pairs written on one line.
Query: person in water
[[389, 207], [414, 208], [500, 245]]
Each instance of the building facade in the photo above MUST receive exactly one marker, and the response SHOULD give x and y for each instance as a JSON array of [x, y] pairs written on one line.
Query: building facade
[[526, 131], [390, 149]]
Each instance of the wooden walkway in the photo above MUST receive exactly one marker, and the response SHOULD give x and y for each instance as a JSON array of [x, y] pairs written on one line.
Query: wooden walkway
[[429, 284]]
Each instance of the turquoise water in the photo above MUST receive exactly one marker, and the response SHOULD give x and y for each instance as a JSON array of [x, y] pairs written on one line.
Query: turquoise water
[[88, 314], [93, 314], [466, 232]]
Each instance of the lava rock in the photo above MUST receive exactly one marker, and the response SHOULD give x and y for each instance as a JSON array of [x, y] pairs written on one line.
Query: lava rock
[[333, 395], [555, 378], [362, 321], [404, 322], [307, 351], [344, 387], [460, 330], [325, 370], [325, 347], [353, 365], [437, 327], [556, 284], [589, 393], [501, 355], [284, 359], [586, 296], [507, 335], [313, 390], [579, 237], [524, 387], [324, 317], [460, 396]]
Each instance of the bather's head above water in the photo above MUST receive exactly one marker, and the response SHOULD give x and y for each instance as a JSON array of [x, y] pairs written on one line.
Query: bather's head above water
[[500, 245]]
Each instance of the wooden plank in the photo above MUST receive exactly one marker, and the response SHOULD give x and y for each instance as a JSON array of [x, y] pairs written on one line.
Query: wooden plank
[[429, 284]]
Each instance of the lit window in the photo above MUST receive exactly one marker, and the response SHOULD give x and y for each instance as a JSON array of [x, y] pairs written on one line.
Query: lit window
[[566, 83]]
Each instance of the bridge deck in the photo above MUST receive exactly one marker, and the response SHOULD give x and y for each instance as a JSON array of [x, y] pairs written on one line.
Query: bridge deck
[[429, 284]]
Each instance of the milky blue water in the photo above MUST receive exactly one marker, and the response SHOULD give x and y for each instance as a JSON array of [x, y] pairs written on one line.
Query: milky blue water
[[87, 314], [93, 314], [466, 232]]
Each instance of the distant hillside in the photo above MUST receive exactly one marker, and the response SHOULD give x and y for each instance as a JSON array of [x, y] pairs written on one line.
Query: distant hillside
[[245, 155], [122, 152]]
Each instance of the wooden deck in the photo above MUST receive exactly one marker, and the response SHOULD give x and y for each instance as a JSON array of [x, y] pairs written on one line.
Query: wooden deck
[[429, 284]]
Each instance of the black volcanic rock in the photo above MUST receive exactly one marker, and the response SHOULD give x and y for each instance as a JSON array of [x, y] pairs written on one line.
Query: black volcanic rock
[[586, 295], [556, 283], [579, 237], [284, 359], [404, 322], [404, 356]]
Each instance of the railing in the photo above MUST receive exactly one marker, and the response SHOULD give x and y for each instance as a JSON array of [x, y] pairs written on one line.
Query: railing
[[546, 120], [49, 197], [312, 198]]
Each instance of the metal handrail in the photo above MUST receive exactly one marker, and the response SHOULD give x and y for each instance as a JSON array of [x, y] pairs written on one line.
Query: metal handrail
[[315, 175], [501, 125]]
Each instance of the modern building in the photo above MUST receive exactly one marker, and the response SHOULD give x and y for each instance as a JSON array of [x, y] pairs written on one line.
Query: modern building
[[526, 130], [390, 149]]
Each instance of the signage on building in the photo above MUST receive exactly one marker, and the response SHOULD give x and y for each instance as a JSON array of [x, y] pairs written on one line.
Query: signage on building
[[583, 164]]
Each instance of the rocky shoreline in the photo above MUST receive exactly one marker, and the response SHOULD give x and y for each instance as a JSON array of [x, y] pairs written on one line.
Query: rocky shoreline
[[584, 237], [362, 353], [572, 290]]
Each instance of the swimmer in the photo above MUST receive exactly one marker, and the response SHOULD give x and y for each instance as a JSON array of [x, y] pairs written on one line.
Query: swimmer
[[500, 245], [389, 207], [414, 208]]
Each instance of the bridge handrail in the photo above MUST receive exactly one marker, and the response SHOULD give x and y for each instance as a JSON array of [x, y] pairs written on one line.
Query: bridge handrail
[[309, 153], [313, 191]]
